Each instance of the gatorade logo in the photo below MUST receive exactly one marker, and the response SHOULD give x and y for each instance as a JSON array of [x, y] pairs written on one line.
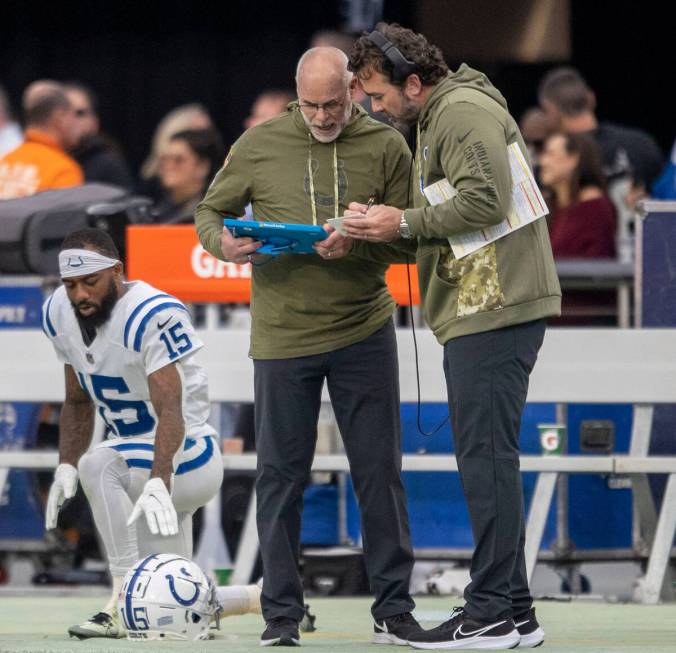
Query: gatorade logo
[[205, 266], [550, 440]]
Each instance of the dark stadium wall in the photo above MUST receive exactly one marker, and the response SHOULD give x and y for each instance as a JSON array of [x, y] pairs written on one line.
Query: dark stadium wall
[[144, 62], [626, 51], [623, 48]]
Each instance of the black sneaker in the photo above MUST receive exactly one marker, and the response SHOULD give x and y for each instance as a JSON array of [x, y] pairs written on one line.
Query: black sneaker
[[281, 631], [461, 631], [396, 629], [307, 623], [530, 630]]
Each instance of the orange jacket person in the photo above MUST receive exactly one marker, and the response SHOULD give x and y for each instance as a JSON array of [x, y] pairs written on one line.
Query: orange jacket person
[[41, 162]]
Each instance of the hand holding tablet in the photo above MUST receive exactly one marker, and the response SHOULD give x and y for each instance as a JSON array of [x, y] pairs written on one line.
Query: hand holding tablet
[[278, 237]]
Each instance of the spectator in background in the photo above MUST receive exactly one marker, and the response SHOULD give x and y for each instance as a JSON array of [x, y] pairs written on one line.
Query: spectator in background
[[268, 104], [582, 217], [534, 127], [187, 116], [100, 158], [187, 165], [631, 158], [41, 162], [582, 221], [625, 152], [10, 131]]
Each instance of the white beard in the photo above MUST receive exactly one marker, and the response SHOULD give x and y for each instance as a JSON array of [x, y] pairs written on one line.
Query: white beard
[[328, 137]]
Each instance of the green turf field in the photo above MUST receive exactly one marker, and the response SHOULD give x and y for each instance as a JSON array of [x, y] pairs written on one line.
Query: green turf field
[[38, 624]]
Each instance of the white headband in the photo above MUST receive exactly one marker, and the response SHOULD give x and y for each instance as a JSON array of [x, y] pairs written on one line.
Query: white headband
[[79, 262]]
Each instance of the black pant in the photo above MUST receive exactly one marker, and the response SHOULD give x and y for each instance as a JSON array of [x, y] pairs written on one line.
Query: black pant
[[363, 384], [487, 379]]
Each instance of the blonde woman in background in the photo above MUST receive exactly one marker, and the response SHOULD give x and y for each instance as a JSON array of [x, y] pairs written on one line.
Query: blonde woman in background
[[187, 116]]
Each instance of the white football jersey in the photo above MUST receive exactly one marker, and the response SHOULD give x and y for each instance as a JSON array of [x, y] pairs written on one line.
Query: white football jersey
[[147, 330]]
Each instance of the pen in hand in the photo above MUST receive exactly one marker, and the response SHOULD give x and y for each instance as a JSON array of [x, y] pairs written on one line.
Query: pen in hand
[[370, 203]]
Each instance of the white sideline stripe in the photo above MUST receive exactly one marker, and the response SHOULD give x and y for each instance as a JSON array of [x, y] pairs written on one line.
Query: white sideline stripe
[[410, 463], [574, 366]]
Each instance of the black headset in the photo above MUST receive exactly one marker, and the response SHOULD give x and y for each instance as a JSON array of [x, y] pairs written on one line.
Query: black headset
[[403, 67]]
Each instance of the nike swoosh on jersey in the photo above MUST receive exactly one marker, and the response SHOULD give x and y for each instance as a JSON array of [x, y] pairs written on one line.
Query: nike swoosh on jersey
[[462, 138], [161, 325], [474, 633]]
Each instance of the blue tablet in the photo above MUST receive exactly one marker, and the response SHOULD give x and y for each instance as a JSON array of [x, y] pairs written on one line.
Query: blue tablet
[[278, 237]]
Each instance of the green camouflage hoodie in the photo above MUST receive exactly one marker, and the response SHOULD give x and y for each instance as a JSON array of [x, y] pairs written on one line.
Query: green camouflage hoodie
[[465, 129], [302, 304]]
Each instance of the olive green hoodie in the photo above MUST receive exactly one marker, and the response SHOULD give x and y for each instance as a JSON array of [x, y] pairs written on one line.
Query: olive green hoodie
[[302, 304], [465, 129]]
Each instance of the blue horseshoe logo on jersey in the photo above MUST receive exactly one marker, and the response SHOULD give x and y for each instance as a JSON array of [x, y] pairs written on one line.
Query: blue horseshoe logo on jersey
[[180, 600]]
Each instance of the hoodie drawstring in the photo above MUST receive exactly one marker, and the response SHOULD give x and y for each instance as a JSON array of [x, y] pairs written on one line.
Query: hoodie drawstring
[[418, 162], [310, 173]]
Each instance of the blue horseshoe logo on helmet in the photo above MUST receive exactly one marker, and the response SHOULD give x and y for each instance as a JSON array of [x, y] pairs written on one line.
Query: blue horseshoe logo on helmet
[[180, 600]]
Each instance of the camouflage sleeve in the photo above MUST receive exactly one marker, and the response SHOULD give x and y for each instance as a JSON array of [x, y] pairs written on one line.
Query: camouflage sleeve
[[476, 277]]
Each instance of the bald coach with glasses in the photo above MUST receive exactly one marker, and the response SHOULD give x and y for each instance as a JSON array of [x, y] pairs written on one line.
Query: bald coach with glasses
[[321, 317]]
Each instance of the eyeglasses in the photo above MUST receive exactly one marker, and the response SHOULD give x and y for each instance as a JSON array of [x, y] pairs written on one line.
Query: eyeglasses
[[310, 108]]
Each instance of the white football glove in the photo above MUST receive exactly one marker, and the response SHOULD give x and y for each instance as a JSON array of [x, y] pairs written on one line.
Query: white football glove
[[63, 487], [158, 507]]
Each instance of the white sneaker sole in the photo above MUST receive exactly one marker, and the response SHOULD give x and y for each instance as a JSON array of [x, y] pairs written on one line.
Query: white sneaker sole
[[85, 633], [280, 641], [484, 643], [388, 638], [532, 640]]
